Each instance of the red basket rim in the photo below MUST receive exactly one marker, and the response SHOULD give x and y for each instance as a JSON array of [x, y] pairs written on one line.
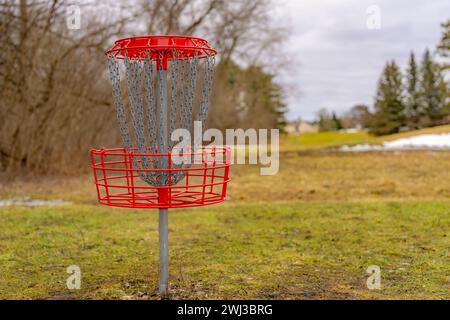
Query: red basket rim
[[139, 47], [136, 153]]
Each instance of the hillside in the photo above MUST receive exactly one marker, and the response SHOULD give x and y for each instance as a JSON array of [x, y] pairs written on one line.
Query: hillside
[[321, 140]]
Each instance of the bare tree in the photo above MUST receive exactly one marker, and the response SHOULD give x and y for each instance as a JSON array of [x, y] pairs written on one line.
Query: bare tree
[[49, 78], [56, 100], [243, 30]]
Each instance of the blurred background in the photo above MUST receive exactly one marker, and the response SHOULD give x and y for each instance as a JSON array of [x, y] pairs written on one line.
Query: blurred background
[[56, 97], [293, 65]]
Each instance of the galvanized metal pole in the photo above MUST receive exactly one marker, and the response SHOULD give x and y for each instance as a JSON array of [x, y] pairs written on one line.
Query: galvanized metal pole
[[163, 213], [163, 251]]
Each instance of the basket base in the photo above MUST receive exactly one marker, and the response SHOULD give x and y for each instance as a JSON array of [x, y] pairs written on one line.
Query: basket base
[[153, 200], [120, 178]]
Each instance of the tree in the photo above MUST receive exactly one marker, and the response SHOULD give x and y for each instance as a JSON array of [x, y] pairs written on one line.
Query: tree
[[358, 117], [232, 26], [444, 52], [327, 121], [324, 120], [413, 110], [56, 99], [51, 83], [433, 91], [444, 46], [389, 107], [336, 121], [246, 98]]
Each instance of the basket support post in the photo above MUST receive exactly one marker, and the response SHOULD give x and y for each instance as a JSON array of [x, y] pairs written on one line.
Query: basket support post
[[162, 164], [163, 251]]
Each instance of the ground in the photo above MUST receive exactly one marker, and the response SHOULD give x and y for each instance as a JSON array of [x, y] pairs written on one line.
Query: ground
[[309, 232]]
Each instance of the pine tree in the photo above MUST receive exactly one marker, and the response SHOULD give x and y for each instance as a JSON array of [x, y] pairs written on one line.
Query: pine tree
[[246, 98], [413, 111], [389, 107], [444, 46], [336, 122], [433, 90], [264, 98], [444, 53], [325, 121]]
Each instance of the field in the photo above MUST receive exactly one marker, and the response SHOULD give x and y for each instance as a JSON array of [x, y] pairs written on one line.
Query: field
[[309, 232]]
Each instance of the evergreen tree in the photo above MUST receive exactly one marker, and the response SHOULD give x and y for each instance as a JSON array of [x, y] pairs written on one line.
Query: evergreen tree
[[444, 53], [433, 90], [389, 107], [264, 99], [413, 111], [325, 121], [444, 46], [246, 98], [336, 122]]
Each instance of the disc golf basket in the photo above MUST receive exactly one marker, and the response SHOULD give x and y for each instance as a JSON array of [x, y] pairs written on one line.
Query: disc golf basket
[[168, 82]]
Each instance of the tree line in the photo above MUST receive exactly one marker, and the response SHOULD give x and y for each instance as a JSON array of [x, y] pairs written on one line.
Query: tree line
[[415, 98]]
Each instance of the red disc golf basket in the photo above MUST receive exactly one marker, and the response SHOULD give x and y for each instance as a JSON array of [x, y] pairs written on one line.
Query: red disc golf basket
[[161, 84], [119, 184]]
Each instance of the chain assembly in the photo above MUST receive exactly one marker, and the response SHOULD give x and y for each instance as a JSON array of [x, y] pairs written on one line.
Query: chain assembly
[[161, 99]]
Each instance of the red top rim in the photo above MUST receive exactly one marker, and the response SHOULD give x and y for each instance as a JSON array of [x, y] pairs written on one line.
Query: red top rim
[[161, 47]]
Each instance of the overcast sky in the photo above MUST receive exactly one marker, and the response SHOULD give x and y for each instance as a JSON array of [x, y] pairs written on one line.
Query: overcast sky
[[338, 59]]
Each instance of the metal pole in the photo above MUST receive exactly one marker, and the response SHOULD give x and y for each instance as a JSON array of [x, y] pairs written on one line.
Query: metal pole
[[163, 213], [163, 251]]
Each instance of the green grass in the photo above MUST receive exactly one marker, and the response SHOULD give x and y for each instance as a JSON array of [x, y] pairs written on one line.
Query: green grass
[[308, 141], [309, 232], [282, 250]]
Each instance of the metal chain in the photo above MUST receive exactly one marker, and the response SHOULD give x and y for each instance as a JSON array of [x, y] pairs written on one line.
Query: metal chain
[[184, 94], [173, 109], [188, 105], [161, 138], [193, 64], [151, 109], [152, 178], [134, 94], [204, 101], [133, 75], [182, 66], [183, 78], [208, 78], [117, 97]]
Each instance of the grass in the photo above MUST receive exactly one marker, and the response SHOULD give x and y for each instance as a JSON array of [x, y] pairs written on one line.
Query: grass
[[284, 250], [309, 232], [333, 176], [314, 141]]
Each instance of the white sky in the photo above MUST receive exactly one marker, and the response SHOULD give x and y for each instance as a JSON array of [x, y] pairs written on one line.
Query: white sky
[[337, 59]]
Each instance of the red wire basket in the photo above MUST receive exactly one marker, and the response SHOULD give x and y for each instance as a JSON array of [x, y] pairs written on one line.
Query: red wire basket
[[118, 176], [161, 48]]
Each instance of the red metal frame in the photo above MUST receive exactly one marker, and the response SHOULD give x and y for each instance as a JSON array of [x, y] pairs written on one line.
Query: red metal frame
[[161, 48], [118, 182]]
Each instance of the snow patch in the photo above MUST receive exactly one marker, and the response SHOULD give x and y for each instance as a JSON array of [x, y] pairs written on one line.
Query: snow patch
[[29, 202], [420, 142]]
